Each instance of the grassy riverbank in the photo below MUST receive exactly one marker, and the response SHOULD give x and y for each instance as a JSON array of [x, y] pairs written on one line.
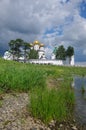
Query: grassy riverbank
[[50, 87]]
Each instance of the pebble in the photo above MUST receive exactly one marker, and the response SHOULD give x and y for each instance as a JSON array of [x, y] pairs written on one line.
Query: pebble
[[13, 110], [14, 116], [60, 125], [74, 128]]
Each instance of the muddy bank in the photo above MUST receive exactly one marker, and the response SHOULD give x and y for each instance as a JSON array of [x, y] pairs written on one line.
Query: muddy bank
[[15, 116]]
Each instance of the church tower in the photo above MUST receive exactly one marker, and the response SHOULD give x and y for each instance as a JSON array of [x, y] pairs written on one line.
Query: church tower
[[36, 45]]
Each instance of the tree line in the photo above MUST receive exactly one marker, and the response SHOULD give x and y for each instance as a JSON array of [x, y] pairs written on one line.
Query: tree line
[[61, 53], [16, 47], [19, 46]]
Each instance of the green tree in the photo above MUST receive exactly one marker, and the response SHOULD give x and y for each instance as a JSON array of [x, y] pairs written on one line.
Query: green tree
[[15, 48], [26, 48], [12, 48], [33, 54], [61, 53], [69, 52], [18, 44]]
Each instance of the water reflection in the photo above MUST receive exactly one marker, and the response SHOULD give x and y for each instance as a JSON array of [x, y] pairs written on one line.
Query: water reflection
[[80, 95]]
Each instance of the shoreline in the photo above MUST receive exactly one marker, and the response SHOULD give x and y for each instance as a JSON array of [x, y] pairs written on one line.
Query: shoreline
[[15, 116]]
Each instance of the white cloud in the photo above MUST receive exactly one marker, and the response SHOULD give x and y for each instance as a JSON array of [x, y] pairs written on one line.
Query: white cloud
[[84, 52], [29, 20], [48, 52]]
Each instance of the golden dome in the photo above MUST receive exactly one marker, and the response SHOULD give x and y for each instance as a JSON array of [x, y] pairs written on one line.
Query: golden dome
[[41, 45], [36, 42], [31, 44]]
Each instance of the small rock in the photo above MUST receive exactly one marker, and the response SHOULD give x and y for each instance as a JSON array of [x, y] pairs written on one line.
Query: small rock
[[61, 125], [71, 125], [33, 128], [74, 128], [52, 123], [74, 120]]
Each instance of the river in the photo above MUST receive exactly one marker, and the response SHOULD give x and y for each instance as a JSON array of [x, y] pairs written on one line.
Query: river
[[80, 99]]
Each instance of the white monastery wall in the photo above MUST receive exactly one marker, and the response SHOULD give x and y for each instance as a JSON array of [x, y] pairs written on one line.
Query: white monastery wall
[[52, 62]]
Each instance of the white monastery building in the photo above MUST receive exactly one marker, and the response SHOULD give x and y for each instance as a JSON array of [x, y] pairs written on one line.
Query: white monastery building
[[36, 45]]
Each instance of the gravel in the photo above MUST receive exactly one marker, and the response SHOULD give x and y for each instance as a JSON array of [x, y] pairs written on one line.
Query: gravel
[[14, 115]]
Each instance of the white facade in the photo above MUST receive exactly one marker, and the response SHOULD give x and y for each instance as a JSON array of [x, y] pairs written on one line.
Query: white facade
[[72, 60], [8, 56], [41, 48], [41, 54], [36, 45], [68, 61], [42, 59], [53, 56], [52, 62]]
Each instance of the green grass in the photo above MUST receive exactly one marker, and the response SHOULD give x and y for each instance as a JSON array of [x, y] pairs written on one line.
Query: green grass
[[1, 103], [52, 104], [57, 103], [20, 77], [82, 89]]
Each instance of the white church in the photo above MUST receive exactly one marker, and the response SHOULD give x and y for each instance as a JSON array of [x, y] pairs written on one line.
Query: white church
[[36, 45]]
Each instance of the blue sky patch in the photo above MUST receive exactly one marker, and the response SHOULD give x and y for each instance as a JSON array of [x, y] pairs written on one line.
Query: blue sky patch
[[64, 1], [49, 31], [69, 20], [83, 9], [58, 30]]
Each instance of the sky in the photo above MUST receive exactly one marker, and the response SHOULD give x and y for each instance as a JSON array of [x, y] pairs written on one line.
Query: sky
[[52, 22]]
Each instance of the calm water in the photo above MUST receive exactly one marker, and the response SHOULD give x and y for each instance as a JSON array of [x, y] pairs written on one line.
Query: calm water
[[80, 107]]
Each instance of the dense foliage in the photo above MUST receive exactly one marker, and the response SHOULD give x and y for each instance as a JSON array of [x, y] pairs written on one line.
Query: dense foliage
[[69, 52], [16, 47], [33, 54], [61, 53]]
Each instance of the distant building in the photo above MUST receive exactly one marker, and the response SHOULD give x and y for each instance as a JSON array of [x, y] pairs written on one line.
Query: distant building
[[53, 56], [63, 62], [8, 56], [71, 62], [36, 45]]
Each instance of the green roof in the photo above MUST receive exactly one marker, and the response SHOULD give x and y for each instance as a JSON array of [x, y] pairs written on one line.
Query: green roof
[[55, 49]]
